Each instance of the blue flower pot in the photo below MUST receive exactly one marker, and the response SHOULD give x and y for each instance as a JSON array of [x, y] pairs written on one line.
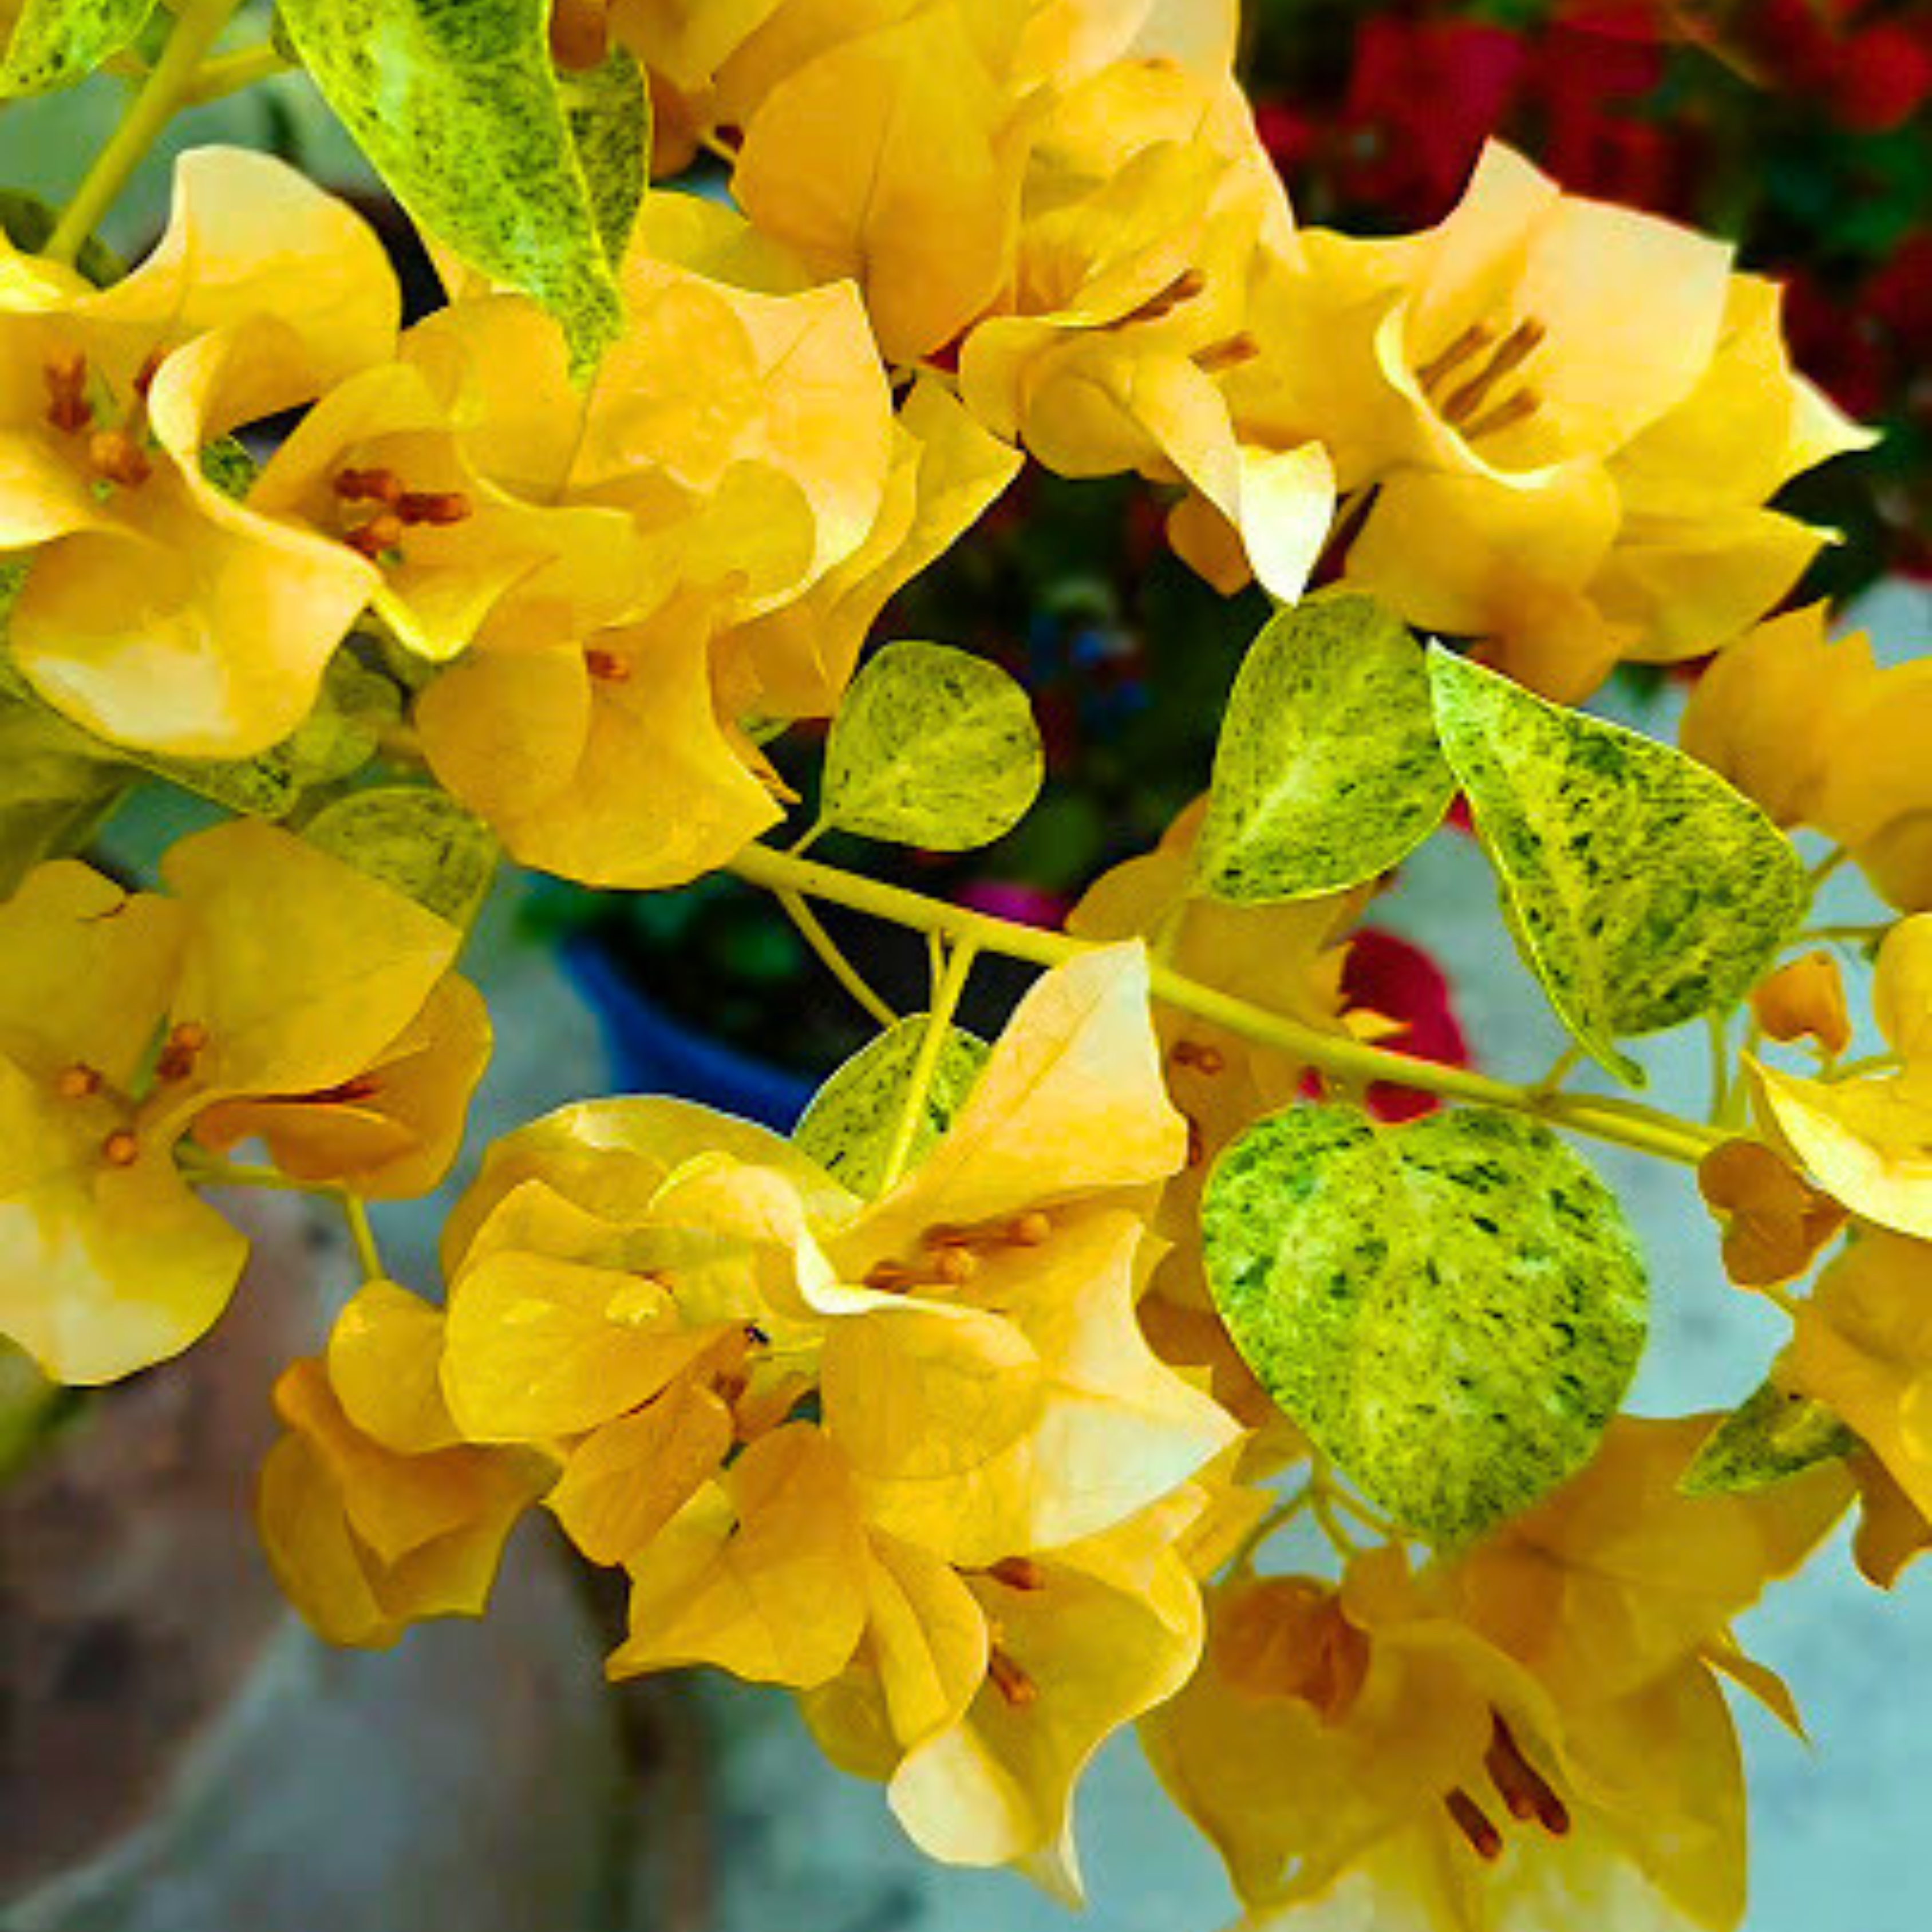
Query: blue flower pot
[[652, 1051]]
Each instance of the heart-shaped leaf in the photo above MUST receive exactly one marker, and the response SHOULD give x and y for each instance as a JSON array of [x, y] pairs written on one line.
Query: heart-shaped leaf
[[1642, 890], [849, 1127], [932, 747], [457, 105], [1327, 772], [1452, 1310]]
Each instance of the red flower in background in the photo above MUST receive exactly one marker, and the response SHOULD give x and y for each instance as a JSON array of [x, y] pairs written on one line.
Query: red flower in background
[[1386, 975]]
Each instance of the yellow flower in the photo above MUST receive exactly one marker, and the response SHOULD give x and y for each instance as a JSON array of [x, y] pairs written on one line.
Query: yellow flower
[[1862, 1345], [1867, 1142], [1819, 736], [276, 992], [1541, 393], [1531, 1740], [1148, 203], [156, 610], [374, 1514], [979, 1698]]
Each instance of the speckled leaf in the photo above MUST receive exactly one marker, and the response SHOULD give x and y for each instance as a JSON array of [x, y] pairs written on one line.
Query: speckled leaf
[[609, 112], [848, 1128], [1642, 890], [418, 840], [1327, 772], [1452, 1310], [54, 44], [932, 747], [456, 104], [30, 223], [1771, 1437]]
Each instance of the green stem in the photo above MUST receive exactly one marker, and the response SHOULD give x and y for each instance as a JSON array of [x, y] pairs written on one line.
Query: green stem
[[1624, 1122], [198, 24], [355, 1212], [946, 994], [216, 79], [834, 961]]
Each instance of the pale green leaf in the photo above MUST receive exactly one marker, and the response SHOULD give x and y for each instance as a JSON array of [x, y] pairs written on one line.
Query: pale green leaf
[[52, 802], [1642, 890], [849, 1127], [55, 43], [609, 113], [30, 224], [932, 747], [1452, 1309], [416, 839], [1327, 772], [1773, 1435], [457, 105]]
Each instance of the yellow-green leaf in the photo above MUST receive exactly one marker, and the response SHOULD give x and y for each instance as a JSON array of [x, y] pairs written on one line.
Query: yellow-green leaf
[[456, 104], [849, 1127], [1327, 772], [609, 111], [418, 840], [1771, 1436], [1642, 890], [932, 747], [1452, 1309], [53, 43]]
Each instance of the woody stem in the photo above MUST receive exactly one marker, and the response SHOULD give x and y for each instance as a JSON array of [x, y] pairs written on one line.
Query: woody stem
[[198, 24], [1646, 1129]]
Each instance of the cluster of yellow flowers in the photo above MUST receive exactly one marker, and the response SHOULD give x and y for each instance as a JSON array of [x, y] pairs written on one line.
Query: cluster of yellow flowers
[[953, 1440]]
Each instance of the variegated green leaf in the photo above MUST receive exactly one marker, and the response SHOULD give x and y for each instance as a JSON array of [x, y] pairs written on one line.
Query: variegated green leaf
[[849, 1127], [418, 840], [54, 44], [456, 104], [1452, 1309], [932, 747], [1773, 1435], [1642, 890], [1327, 772]]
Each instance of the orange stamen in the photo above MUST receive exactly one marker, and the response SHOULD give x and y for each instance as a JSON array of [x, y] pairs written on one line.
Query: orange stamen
[[1209, 1060], [1485, 1841], [1010, 1681], [121, 1148], [428, 506], [78, 1081], [379, 534], [68, 409], [115, 456], [1473, 338], [1519, 408], [606, 667], [1219, 357], [1521, 1786], [1183, 288], [955, 1266], [1019, 1573], [369, 486], [1033, 1229], [144, 376]]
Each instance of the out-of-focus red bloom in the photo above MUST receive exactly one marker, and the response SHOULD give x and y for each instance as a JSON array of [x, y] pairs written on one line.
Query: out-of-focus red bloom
[[1882, 76], [1899, 296], [1424, 97], [1015, 900], [1839, 345], [1386, 975]]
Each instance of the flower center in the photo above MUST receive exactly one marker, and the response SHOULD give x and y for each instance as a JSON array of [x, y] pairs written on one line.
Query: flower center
[[394, 510], [116, 452], [1463, 382]]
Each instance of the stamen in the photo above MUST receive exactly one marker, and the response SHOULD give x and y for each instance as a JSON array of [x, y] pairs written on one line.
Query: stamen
[[1525, 403], [1209, 1060], [369, 486], [1485, 1841], [1521, 1786], [1474, 338], [1219, 357], [888, 1277], [114, 455], [1033, 1229], [144, 376], [185, 1045], [121, 1148], [1011, 1682], [364, 1087], [1521, 343], [78, 1082], [1184, 287], [1197, 1143], [1018, 1572], [955, 1266], [437, 507], [379, 534], [606, 667], [68, 409]]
